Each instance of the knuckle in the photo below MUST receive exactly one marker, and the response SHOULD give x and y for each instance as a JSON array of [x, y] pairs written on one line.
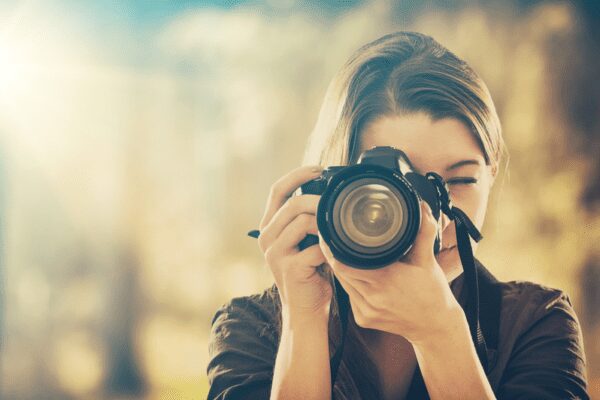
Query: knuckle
[[291, 205], [336, 265], [427, 209], [299, 224], [305, 220], [361, 319], [368, 314], [276, 188], [319, 257], [286, 207], [432, 218], [270, 256], [262, 243], [358, 318], [428, 221]]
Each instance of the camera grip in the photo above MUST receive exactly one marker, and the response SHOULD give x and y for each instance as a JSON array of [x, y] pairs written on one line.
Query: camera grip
[[309, 240]]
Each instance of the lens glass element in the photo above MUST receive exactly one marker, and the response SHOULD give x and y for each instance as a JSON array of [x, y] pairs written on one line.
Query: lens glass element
[[371, 215]]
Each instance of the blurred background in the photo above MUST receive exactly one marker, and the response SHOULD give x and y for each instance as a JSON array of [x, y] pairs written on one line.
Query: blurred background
[[138, 141]]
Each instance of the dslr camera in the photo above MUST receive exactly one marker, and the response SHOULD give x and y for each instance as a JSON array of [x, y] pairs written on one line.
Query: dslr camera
[[369, 213]]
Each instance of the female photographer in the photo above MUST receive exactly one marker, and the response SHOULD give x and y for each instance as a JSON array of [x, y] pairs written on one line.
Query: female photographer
[[407, 334]]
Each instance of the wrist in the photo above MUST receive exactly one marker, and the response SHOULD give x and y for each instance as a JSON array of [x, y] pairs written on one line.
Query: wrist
[[302, 318], [455, 349], [451, 326], [303, 356]]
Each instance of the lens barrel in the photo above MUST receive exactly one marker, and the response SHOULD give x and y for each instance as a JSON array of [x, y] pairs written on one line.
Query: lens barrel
[[369, 215]]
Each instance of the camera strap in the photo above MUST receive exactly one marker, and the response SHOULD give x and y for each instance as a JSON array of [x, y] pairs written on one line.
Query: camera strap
[[343, 306], [464, 230]]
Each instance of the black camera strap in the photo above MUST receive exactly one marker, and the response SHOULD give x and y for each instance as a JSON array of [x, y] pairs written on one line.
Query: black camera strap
[[343, 307], [464, 230]]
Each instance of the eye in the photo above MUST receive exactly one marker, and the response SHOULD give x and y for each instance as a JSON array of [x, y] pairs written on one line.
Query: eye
[[461, 181]]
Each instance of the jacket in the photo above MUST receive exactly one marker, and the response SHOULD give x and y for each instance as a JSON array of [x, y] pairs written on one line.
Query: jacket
[[535, 346]]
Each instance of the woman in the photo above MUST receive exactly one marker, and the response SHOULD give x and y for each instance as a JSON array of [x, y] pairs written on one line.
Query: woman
[[406, 322]]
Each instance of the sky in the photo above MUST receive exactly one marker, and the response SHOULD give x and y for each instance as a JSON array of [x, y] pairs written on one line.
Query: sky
[[125, 31]]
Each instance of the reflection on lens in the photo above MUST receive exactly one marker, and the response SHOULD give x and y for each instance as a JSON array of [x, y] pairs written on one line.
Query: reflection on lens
[[371, 215]]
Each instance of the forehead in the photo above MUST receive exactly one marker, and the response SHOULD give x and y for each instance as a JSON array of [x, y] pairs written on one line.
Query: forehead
[[429, 144]]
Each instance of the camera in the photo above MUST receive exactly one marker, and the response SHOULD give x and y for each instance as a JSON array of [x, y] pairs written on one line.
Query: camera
[[369, 213]]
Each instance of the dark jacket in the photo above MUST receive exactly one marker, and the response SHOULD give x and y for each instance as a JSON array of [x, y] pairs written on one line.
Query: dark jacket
[[537, 354]]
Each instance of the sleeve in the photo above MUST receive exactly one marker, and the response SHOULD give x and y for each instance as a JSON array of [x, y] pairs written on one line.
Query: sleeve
[[548, 360], [242, 349]]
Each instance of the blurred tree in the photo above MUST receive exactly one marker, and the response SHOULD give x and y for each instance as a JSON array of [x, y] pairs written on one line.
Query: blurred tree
[[124, 376]]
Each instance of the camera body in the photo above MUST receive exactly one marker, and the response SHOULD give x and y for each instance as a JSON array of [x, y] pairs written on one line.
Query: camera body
[[369, 213]]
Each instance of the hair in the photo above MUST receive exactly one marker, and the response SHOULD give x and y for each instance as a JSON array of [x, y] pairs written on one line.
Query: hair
[[400, 73]]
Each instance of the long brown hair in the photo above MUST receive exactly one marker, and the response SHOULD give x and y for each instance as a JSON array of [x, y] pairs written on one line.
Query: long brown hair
[[400, 73]]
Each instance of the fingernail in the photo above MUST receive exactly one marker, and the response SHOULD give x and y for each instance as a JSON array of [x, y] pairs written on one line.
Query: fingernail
[[317, 169]]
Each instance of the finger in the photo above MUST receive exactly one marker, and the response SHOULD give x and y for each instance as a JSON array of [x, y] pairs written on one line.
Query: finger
[[311, 256], [366, 277], [285, 187], [350, 288], [357, 300], [305, 263], [326, 250], [293, 207], [422, 250], [363, 286], [295, 231]]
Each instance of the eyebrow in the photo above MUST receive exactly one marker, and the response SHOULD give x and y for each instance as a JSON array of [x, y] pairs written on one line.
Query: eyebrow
[[462, 163]]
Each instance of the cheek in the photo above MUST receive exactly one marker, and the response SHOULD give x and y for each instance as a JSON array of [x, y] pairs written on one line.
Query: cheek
[[473, 201]]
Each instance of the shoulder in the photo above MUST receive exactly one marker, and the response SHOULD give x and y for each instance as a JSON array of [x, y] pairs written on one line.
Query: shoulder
[[541, 346], [521, 298], [253, 316], [531, 311], [260, 306], [242, 347], [524, 303]]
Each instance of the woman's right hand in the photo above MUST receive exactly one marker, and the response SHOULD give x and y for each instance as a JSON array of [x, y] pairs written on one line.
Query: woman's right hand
[[287, 220]]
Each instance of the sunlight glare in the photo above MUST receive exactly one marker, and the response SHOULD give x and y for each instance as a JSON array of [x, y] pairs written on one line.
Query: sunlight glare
[[10, 78]]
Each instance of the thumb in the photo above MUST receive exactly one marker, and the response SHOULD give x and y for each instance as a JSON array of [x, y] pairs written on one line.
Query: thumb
[[422, 250]]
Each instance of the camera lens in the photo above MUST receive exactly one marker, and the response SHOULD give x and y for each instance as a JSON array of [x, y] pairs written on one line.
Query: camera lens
[[371, 215]]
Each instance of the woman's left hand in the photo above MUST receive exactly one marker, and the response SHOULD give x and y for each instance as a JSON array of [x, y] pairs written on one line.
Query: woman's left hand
[[410, 298]]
